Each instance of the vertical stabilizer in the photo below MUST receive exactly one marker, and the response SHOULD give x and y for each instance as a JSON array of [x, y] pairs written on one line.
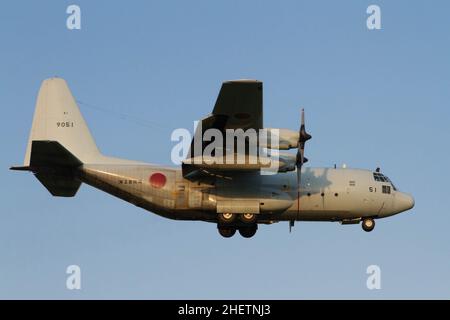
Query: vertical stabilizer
[[58, 118]]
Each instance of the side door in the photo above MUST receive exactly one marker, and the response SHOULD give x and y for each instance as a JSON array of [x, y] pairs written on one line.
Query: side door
[[195, 195]]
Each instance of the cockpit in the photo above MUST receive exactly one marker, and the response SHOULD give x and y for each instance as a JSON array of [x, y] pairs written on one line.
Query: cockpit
[[382, 178]]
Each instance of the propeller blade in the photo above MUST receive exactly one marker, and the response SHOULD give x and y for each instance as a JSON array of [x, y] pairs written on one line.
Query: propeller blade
[[303, 136], [299, 174], [303, 117]]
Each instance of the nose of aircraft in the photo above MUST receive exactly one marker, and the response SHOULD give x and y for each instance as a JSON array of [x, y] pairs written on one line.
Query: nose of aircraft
[[403, 202]]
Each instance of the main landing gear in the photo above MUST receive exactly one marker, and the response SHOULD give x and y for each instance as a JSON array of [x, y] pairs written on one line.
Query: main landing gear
[[226, 217], [248, 217], [368, 224], [226, 232], [228, 225], [248, 232]]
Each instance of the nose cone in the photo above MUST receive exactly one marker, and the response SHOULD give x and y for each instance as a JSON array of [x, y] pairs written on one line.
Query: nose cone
[[403, 202]]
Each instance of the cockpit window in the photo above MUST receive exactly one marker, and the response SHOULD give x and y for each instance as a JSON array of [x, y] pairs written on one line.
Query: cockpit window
[[382, 178], [378, 177]]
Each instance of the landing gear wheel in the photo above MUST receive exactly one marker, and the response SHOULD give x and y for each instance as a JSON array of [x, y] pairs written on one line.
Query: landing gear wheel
[[248, 217], [226, 217], [227, 232], [248, 232], [368, 224]]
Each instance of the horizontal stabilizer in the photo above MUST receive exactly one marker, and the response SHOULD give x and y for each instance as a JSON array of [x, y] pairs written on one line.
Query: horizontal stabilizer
[[51, 154], [59, 185], [20, 168], [53, 165]]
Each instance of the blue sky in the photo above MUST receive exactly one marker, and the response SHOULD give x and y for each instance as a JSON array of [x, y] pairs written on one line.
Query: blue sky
[[373, 98]]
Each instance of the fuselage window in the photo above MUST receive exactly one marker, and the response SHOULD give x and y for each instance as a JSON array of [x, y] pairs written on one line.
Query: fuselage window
[[386, 189]]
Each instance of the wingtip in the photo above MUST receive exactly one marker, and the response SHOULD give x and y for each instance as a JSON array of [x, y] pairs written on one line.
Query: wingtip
[[243, 81]]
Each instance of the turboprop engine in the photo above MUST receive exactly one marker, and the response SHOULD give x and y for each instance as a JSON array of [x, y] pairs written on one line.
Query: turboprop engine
[[281, 139]]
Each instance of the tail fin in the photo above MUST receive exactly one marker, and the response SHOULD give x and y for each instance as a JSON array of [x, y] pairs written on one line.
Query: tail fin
[[59, 141], [57, 118]]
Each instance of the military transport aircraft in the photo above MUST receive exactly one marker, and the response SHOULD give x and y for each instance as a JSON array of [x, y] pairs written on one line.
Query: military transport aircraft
[[62, 154]]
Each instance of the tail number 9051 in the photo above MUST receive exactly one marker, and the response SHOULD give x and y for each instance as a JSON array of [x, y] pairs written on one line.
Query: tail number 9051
[[66, 124]]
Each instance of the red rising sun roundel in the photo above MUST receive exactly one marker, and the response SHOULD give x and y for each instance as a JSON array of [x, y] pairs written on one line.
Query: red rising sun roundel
[[157, 180]]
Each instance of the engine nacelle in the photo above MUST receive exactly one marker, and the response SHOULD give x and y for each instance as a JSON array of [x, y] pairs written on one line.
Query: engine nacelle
[[273, 201], [281, 139], [279, 161], [287, 162]]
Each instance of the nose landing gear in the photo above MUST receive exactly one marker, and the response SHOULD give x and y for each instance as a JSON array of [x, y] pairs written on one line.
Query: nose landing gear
[[368, 224]]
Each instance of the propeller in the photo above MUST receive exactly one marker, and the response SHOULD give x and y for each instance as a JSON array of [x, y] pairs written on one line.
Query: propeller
[[303, 136]]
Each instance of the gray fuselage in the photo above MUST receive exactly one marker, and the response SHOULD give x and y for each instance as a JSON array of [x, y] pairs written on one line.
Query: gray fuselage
[[327, 194]]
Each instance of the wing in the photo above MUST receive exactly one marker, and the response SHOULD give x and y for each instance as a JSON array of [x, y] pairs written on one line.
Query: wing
[[238, 106], [240, 101]]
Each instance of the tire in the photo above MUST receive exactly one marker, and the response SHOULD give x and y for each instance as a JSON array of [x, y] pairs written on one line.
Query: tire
[[226, 217], [248, 232], [248, 217], [368, 224], [227, 232]]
